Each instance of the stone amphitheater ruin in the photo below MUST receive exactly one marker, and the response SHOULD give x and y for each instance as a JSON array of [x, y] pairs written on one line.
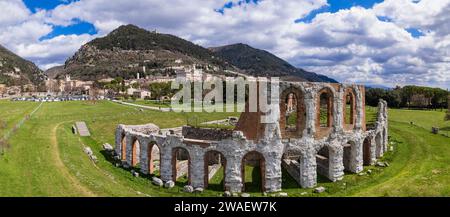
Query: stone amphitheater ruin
[[300, 141]]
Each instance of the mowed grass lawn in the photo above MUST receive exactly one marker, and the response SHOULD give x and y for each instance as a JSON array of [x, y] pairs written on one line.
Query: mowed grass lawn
[[11, 113], [46, 159]]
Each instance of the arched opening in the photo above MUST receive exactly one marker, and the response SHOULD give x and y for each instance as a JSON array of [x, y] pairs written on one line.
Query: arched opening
[[347, 156], [135, 153], [349, 109], [325, 113], [379, 145], [291, 162], [292, 113], [322, 160], [123, 147], [154, 159], [215, 164], [181, 166], [366, 151], [253, 172]]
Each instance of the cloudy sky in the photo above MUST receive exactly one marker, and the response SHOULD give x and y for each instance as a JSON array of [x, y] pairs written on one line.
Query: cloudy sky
[[390, 42]]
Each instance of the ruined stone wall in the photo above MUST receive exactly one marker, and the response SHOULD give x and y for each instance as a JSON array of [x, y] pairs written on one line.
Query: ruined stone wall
[[206, 133], [346, 149]]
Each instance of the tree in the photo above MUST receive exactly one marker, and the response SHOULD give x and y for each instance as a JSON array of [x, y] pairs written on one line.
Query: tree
[[159, 90], [447, 116]]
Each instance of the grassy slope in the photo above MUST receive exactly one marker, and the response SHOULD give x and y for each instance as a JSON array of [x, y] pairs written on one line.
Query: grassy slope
[[33, 165], [424, 119], [419, 164]]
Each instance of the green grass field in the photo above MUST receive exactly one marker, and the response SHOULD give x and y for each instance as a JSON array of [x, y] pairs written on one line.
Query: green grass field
[[46, 159]]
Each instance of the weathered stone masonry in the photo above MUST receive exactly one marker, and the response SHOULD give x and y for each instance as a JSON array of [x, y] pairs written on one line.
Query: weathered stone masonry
[[306, 148]]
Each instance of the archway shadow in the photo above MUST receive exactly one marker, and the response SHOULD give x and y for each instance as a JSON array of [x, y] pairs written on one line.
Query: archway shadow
[[108, 156], [255, 185], [287, 181]]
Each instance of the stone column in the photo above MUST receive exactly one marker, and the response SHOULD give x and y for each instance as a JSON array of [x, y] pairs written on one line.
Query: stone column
[[166, 163], [272, 172], [308, 168], [233, 174], [310, 109], [197, 169], [356, 158], [335, 162], [386, 123], [379, 144], [144, 149], [338, 111], [385, 136], [118, 142], [373, 148], [359, 109], [129, 149]]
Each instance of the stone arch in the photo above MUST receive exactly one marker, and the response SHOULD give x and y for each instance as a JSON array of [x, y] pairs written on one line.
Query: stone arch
[[151, 156], [292, 113], [349, 109], [182, 154], [123, 147], [217, 159], [347, 155], [324, 111], [261, 162], [367, 149], [135, 147]]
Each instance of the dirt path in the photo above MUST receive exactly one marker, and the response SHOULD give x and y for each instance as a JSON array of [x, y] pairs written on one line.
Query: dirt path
[[62, 168]]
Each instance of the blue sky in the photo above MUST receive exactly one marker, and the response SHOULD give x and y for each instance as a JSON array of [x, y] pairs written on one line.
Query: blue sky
[[79, 27], [34, 5], [380, 42]]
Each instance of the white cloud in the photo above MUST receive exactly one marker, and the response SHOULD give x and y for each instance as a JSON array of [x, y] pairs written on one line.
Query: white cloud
[[350, 45]]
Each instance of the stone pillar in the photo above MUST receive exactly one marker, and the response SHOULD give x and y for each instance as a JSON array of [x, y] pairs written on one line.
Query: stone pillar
[[233, 174], [373, 155], [385, 137], [118, 142], [379, 144], [386, 124], [359, 105], [166, 163], [197, 169], [335, 162], [310, 109], [357, 158], [338, 111], [129, 149], [144, 149], [272, 172], [308, 168]]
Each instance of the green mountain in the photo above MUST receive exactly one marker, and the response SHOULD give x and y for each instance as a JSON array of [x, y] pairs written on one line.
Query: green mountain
[[258, 62], [15, 70], [125, 51]]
